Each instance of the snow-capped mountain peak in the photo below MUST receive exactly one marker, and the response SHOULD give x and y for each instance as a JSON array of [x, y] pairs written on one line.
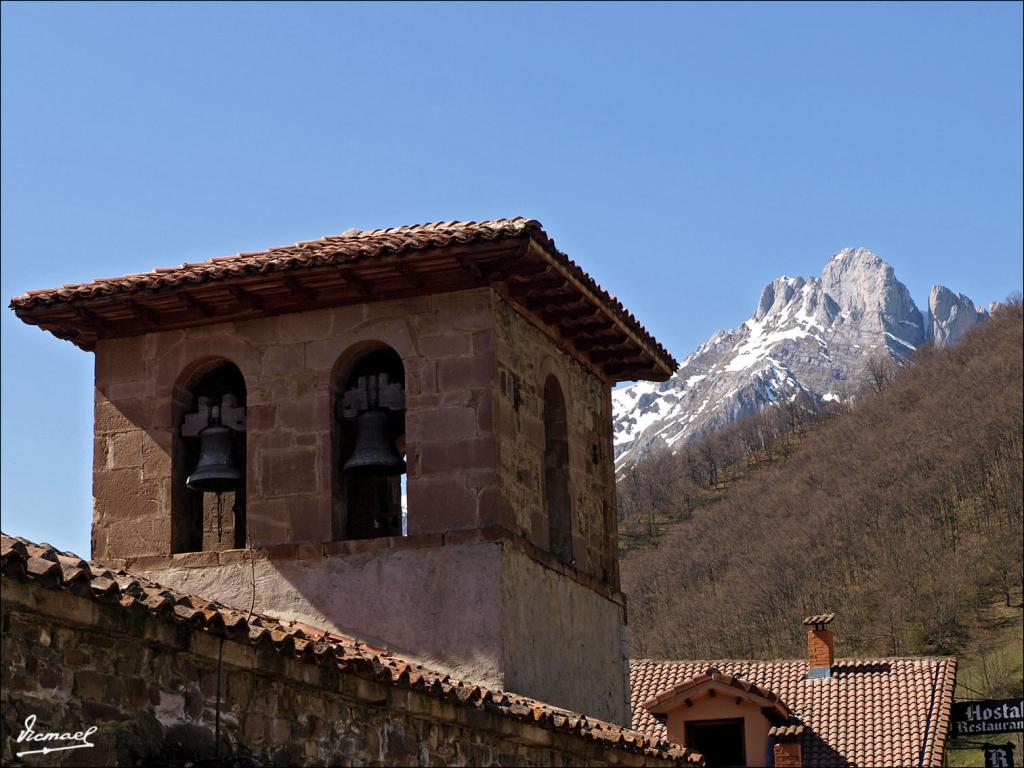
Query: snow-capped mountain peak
[[807, 336]]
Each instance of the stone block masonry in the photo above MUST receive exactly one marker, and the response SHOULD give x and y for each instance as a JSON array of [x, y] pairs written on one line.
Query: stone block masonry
[[475, 373], [288, 362], [149, 684], [525, 357]]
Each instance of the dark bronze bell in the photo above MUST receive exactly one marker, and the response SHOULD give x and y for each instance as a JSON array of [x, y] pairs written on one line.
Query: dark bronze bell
[[374, 452], [215, 472]]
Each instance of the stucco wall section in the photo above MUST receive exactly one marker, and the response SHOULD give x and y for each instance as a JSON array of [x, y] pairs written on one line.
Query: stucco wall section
[[564, 643], [724, 707], [445, 344], [525, 356], [439, 606]]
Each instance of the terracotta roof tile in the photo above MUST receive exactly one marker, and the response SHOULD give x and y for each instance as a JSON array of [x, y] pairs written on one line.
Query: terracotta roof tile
[[785, 731], [41, 565], [352, 247], [714, 675], [871, 712]]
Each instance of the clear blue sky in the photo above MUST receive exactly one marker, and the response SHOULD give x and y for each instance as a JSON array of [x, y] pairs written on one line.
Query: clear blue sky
[[684, 154]]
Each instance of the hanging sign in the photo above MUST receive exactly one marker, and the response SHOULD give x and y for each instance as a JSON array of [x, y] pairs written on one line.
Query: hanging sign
[[998, 755], [988, 716]]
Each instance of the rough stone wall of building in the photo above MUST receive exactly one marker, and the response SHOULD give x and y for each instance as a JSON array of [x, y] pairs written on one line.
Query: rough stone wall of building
[[554, 623], [475, 370], [150, 688], [445, 344], [525, 356]]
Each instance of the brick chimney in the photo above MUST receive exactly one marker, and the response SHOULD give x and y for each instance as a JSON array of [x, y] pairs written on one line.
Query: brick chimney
[[821, 652], [787, 749]]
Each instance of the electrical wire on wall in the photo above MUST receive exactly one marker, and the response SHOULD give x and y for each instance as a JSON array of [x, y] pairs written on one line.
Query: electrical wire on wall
[[216, 721], [220, 650]]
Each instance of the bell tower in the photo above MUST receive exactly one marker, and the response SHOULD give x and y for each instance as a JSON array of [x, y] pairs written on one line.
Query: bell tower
[[402, 435]]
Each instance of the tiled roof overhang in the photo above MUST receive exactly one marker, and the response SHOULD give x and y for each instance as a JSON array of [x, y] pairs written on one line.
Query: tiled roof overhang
[[516, 256], [48, 568], [714, 681]]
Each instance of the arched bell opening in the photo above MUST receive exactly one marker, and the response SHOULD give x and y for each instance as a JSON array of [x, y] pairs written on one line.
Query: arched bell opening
[[209, 459], [557, 500], [368, 444]]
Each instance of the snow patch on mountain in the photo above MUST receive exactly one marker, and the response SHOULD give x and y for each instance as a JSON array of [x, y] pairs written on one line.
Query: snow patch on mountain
[[808, 337]]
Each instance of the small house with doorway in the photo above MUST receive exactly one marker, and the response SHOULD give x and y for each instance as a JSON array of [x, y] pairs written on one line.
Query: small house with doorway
[[817, 711]]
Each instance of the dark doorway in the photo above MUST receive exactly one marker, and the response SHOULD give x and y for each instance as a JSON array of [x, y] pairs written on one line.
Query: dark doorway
[[720, 741]]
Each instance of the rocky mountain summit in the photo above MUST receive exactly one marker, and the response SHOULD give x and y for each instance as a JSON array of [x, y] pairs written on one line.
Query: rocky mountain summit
[[950, 315], [808, 338]]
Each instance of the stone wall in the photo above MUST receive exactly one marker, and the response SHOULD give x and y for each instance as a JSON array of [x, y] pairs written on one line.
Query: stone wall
[[150, 687], [288, 362], [476, 604], [475, 371], [525, 357]]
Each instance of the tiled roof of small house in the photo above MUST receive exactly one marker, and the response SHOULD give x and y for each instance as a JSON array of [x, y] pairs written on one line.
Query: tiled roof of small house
[[870, 712], [714, 675], [46, 567], [357, 265]]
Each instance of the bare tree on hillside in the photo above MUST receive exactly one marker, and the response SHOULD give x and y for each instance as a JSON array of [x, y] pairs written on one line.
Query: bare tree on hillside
[[878, 372]]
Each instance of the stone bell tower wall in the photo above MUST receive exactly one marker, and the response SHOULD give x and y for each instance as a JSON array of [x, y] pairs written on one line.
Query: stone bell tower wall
[[507, 572], [525, 358], [288, 361], [474, 587]]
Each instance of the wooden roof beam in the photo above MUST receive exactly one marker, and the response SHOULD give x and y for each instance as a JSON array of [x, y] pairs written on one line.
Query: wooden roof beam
[[300, 288], [555, 314], [247, 298], [549, 301], [410, 275], [89, 317], [359, 285], [603, 344], [524, 270], [620, 356], [587, 329], [598, 320], [616, 369], [470, 266], [143, 313], [194, 305], [661, 367], [539, 284]]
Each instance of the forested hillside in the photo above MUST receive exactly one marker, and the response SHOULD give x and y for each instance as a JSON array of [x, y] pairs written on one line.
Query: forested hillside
[[902, 515]]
